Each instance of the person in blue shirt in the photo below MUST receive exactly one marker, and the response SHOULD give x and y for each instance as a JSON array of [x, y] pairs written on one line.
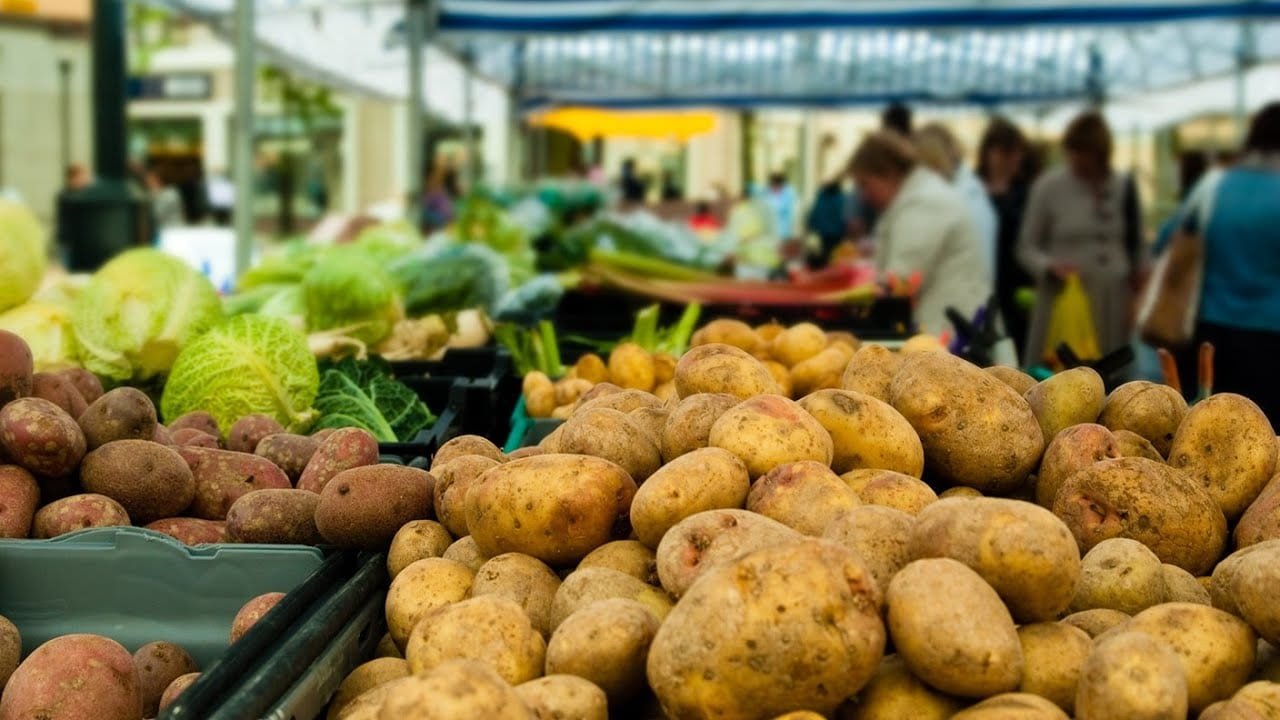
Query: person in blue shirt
[[1240, 299], [781, 199]]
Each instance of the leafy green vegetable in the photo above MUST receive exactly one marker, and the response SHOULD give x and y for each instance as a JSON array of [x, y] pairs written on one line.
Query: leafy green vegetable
[[139, 311], [348, 290], [532, 349], [47, 329], [363, 394], [248, 364], [460, 277], [287, 266], [22, 254], [482, 221]]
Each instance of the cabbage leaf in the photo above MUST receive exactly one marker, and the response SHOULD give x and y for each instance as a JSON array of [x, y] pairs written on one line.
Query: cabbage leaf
[[248, 364], [363, 394], [22, 254]]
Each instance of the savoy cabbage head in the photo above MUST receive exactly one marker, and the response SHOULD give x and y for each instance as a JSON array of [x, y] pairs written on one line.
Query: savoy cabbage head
[[347, 289], [22, 254], [248, 364], [138, 311]]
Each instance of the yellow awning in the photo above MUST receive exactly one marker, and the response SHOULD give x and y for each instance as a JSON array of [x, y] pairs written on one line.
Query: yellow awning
[[587, 123]]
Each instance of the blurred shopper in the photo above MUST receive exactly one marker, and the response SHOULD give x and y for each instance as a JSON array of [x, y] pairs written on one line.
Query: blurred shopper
[[1240, 302], [897, 117], [1192, 167], [1007, 166], [671, 191], [632, 186], [924, 226], [166, 203], [76, 177], [781, 199], [438, 198], [939, 149], [1083, 219], [221, 195], [827, 220], [703, 220]]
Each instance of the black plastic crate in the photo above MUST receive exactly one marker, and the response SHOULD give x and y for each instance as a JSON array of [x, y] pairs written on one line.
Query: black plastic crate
[[474, 363]]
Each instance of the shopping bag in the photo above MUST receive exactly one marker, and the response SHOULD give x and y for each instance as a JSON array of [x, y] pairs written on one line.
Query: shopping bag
[[1071, 322], [1171, 298]]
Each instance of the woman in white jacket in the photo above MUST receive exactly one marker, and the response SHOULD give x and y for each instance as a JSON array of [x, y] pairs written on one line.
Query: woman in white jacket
[[924, 225]]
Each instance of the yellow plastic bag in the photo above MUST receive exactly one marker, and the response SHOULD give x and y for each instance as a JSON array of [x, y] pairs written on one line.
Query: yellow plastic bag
[[1071, 322]]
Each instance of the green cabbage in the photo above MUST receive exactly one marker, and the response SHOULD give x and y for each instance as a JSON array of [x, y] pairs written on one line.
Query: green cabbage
[[138, 311], [248, 364], [47, 329], [348, 290], [22, 254]]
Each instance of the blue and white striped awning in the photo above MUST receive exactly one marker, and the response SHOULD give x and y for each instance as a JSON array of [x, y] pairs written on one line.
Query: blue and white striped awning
[[739, 53]]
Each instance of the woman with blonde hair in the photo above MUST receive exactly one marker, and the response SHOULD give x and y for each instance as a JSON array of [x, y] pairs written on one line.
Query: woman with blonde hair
[[923, 226], [1082, 219], [940, 150]]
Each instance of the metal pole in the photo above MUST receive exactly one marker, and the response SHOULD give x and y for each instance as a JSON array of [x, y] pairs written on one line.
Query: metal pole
[[242, 143], [470, 168], [416, 22], [109, 90], [1246, 56], [64, 103]]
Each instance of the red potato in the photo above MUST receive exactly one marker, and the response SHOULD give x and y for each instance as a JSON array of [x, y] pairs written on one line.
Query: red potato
[[249, 430], [162, 435], [194, 438], [87, 383], [362, 508], [192, 531], [122, 414], [289, 452], [275, 517], [16, 367], [150, 481], [198, 420], [222, 477], [341, 450], [253, 611], [159, 664], [323, 434], [74, 677], [175, 689], [19, 497], [77, 513], [58, 390], [41, 437]]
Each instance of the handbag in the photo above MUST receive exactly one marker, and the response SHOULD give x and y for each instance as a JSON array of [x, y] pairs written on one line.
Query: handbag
[[1071, 324], [1171, 299]]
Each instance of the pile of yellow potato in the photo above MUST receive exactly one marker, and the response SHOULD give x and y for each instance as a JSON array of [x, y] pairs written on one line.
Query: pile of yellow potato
[[926, 540], [801, 358]]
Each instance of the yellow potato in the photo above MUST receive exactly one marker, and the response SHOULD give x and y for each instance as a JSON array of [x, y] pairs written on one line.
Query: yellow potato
[[895, 694], [1252, 587], [455, 690], [587, 586], [1182, 586], [704, 479], [554, 507], [540, 402], [890, 489], [666, 392], [820, 372], [1146, 501], [1152, 411], [769, 430], [465, 552], [1261, 521], [960, 491], [1012, 706], [664, 368], [976, 431], [1068, 398], [922, 343], [881, 536], [1131, 444], [569, 390], [606, 642], [1071, 450], [525, 581], [1226, 444], [1131, 676], [1021, 550], [804, 496], [612, 436], [1013, 377], [564, 697], [712, 538], [843, 338], [727, 331], [871, 370], [749, 640], [719, 368], [978, 654], [534, 380], [624, 401], [629, 557], [652, 421], [1119, 574], [1053, 654], [866, 432], [420, 588], [782, 376], [363, 679], [798, 343], [488, 629], [416, 540], [591, 367], [1216, 649], [689, 424], [1097, 621], [631, 367], [1220, 584], [768, 332]]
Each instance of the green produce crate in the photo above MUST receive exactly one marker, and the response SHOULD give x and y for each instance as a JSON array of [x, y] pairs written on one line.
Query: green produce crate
[[136, 586]]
